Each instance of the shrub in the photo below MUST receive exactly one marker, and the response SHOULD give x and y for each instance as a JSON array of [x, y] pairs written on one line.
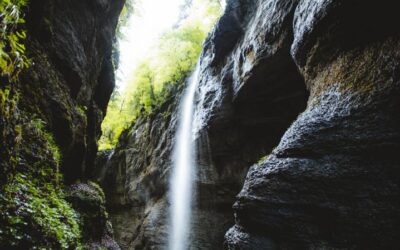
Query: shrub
[[34, 215], [12, 50], [33, 211]]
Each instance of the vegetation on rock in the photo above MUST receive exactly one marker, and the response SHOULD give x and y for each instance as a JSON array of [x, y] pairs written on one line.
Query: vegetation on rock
[[89, 201], [36, 216], [33, 211], [12, 57]]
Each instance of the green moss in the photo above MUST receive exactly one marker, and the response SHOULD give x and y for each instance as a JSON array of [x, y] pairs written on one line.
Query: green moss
[[10, 132], [34, 215], [38, 126], [166, 114], [99, 191], [82, 110], [262, 159], [33, 211], [89, 200]]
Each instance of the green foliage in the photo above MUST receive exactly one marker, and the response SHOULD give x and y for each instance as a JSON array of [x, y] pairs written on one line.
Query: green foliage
[[114, 123], [157, 77], [126, 12], [12, 50], [10, 135], [38, 126], [34, 215], [12, 61], [33, 211]]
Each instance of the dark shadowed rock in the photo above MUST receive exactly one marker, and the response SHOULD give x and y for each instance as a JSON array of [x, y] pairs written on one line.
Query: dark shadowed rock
[[245, 102], [72, 77], [241, 113], [136, 180], [89, 201], [50, 123], [332, 182]]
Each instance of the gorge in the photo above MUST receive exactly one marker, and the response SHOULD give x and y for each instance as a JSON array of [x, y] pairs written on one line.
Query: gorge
[[293, 110]]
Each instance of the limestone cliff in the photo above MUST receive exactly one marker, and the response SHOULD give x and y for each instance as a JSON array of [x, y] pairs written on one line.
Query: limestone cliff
[[50, 124], [72, 76], [135, 179], [309, 87], [332, 182]]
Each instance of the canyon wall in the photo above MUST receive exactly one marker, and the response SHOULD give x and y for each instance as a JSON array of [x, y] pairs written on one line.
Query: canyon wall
[[332, 182], [50, 124], [135, 178], [297, 113], [71, 77]]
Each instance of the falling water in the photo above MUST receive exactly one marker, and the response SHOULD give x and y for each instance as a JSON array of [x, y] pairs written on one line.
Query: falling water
[[101, 174], [183, 170]]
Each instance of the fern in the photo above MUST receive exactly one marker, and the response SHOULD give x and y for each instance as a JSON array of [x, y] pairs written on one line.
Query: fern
[[12, 49]]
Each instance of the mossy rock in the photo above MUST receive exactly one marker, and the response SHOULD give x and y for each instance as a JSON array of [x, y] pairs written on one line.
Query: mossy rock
[[89, 201], [36, 216], [33, 211]]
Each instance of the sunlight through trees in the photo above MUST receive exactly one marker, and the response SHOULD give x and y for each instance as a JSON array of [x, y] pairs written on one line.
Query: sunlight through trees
[[161, 72]]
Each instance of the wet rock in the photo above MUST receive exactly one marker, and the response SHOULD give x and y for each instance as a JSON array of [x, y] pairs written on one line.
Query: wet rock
[[52, 116], [89, 201], [245, 102], [136, 180], [241, 113], [102, 163], [72, 76], [332, 181]]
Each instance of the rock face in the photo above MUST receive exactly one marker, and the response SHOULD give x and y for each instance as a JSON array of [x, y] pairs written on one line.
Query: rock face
[[241, 113], [72, 76], [135, 180], [249, 94], [50, 123], [89, 201], [315, 82], [332, 182]]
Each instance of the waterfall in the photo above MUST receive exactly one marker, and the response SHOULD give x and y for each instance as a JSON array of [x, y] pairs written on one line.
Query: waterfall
[[183, 169]]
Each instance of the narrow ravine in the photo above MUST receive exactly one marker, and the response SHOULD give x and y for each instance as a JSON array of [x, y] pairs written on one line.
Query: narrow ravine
[[151, 186], [262, 124], [183, 169]]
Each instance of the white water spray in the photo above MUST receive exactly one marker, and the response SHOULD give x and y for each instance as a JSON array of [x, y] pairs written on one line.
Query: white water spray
[[183, 170]]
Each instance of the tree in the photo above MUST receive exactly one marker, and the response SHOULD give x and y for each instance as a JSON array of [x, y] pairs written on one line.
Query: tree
[[153, 81]]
